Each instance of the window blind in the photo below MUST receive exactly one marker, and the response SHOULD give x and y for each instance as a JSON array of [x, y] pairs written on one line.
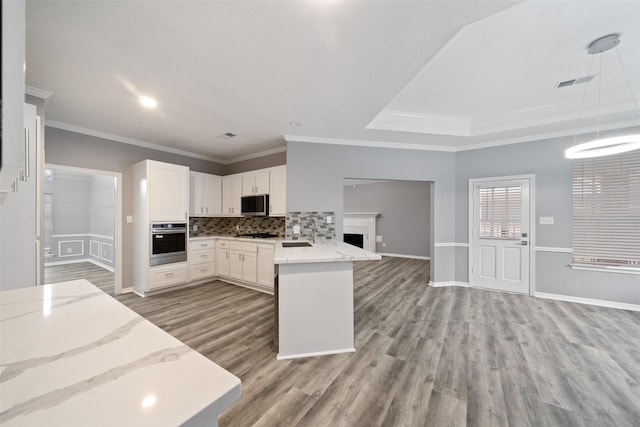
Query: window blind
[[500, 212], [606, 210]]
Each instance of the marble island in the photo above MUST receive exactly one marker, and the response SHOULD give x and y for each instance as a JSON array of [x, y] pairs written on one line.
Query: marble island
[[314, 298], [71, 355]]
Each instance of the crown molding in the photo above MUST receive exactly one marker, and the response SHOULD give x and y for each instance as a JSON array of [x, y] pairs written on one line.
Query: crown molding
[[365, 143]]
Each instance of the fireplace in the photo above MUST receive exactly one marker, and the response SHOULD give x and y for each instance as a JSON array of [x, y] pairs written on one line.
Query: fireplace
[[354, 239]]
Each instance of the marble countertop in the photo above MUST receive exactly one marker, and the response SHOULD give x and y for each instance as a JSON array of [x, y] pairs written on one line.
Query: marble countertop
[[324, 251], [72, 355]]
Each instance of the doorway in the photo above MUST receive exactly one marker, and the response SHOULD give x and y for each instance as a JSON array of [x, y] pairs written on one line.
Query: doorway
[[82, 227], [501, 233]]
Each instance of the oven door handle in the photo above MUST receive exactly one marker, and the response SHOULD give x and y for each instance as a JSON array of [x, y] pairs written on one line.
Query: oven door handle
[[174, 231]]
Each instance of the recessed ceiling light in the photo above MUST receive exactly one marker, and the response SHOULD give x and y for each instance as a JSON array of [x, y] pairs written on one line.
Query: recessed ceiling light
[[148, 102], [295, 124]]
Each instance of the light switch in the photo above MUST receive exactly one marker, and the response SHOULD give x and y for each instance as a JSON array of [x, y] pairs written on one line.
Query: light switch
[[379, 239], [296, 229], [129, 219], [329, 219], [546, 220]]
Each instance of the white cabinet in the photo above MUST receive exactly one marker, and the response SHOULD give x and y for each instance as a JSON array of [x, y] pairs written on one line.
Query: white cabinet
[[169, 275], [265, 268], [222, 258], [278, 191], [202, 259], [231, 193], [243, 261], [205, 194], [167, 191], [255, 182]]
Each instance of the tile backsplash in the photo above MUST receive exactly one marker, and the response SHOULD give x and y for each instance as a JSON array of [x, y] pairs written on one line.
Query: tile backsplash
[[235, 225], [307, 221]]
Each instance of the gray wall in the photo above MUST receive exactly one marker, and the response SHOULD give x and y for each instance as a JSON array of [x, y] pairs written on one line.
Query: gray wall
[[315, 174], [72, 149], [553, 196], [277, 159], [404, 210], [102, 205]]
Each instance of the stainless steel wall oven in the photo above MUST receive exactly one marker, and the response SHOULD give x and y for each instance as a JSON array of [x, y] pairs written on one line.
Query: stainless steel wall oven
[[168, 243]]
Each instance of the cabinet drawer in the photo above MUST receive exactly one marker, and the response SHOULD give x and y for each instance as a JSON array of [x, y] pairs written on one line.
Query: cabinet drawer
[[236, 246], [167, 276], [202, 271], [202, 244], [222, 244], [202, 256]]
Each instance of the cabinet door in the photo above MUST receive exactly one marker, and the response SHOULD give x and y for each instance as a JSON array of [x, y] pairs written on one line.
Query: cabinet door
[[196, 182], [248, 184], [168, 191], [262, 182], [231, 193], [212, 195], [265, 265], [249, 267], [235, 264], [222, 262], [278, 191]]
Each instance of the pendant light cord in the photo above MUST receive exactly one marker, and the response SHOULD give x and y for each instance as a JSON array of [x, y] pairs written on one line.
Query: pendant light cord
[[626, 76], [584, 96]]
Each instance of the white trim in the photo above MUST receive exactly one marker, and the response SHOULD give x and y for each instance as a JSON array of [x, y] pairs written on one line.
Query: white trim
[[101, 265], [605, 269], [451, 283], [532, 225], [64, 262], [405, 256], [451, 244], [553, 249], [456, 149], [364, 143], [102, 245], [590, 301], [91, 251], [319, 353], [38, 93], [97, 236], [61, 255], [152, 146]]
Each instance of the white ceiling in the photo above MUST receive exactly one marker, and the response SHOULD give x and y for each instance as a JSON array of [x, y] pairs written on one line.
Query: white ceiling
[[435, 74]]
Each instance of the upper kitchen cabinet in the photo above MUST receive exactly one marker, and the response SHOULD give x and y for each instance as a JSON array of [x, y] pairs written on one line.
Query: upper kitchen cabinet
[[164, 195], [231, 194], [205, 194], [278, 191], [255, 182]]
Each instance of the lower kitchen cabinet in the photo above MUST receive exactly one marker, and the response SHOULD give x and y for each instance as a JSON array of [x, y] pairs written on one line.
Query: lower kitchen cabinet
[[202, 259], [222, 258], [265, 265], [243, 262], [172, 274]]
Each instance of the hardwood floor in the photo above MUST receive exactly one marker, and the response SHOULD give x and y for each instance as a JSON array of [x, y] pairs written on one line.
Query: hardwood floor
[[425, 356], [104, 279]]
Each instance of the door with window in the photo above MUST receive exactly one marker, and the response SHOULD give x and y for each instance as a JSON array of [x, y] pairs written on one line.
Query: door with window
[[501, 235]]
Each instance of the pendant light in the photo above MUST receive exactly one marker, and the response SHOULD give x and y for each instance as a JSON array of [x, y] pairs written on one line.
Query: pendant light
[[603, 146]]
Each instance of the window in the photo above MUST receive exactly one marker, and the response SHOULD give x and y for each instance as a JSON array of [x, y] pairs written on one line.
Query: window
[[500, 212], [606, 211]]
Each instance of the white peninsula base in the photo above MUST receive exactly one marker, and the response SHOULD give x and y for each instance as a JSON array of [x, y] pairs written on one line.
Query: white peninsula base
[[314, 298], [315, 309]]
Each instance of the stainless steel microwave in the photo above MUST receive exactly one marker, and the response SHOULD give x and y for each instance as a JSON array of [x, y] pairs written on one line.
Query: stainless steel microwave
[[255, 205]]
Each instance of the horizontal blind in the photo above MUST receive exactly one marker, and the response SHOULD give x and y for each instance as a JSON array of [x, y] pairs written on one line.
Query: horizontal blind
[[606, 210], [500, 212]]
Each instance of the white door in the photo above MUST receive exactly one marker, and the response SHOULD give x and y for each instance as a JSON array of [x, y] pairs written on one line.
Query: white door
[[501, 235]]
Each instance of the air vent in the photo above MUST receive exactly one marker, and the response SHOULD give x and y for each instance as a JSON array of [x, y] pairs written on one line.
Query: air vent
[[227, 135], [573, 82]]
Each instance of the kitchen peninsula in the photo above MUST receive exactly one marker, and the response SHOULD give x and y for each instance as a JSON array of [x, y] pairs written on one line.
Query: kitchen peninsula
[[314, 297], [72, 355]]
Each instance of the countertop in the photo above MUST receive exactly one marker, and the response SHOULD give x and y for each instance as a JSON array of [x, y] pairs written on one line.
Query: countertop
[[323, 251], [72, 355], [232, 237]]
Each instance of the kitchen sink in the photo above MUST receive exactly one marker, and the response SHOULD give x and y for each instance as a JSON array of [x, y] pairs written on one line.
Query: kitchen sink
[[295, 244]]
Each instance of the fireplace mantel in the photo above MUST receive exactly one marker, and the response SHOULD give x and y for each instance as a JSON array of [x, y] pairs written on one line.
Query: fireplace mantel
[[362, 223]]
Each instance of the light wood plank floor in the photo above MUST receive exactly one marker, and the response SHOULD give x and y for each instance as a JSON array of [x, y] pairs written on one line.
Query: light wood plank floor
[[104, 279], [425, 356]]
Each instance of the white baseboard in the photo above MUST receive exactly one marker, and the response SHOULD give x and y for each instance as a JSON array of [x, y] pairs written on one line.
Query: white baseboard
[[453, 283], [77, 261], [404, 256], [320, 353], [590, 301]]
